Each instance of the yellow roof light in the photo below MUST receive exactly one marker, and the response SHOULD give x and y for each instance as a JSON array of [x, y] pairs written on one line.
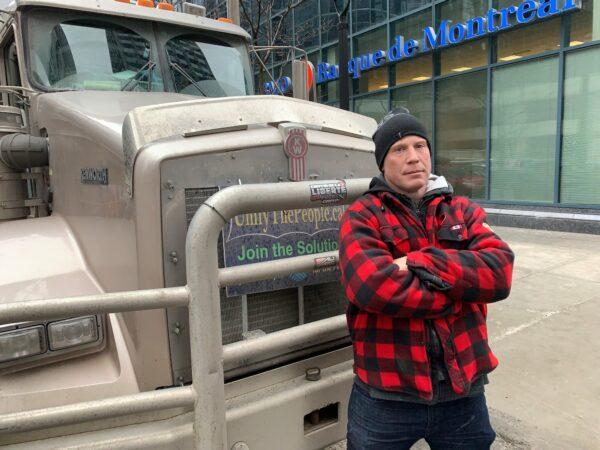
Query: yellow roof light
[[166, 6], [123, 1], [225, 19], [146, 3]]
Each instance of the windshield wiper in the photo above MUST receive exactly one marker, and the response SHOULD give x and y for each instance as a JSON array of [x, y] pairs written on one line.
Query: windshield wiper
[[135, 78], [178, 68]]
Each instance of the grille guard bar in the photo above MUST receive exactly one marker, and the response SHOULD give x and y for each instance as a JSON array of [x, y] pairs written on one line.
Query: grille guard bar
[[201, 296]]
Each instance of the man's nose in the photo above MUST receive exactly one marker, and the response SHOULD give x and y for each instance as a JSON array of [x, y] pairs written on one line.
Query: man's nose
[[412, 155]]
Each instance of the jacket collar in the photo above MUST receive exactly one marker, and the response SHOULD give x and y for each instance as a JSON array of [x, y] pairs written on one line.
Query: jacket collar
[[436, 186]]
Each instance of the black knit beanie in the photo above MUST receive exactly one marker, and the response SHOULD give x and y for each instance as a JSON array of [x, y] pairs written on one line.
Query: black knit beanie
[[397, 124]]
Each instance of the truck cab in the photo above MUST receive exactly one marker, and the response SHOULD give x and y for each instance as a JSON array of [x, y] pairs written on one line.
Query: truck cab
[[117, 122]]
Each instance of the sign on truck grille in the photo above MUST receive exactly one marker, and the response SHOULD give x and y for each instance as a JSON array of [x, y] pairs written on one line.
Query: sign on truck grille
[[274, 305], [268, 236]]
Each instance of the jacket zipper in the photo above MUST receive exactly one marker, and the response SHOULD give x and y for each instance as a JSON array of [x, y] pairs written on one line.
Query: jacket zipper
[[415, 212], [419, 212]]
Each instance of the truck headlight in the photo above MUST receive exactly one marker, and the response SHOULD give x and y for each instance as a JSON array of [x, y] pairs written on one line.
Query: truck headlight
[[29, 344], [72, 332], [22, 343]]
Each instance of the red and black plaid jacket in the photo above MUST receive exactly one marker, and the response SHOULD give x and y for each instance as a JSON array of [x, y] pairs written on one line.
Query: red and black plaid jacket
[[456, 263]]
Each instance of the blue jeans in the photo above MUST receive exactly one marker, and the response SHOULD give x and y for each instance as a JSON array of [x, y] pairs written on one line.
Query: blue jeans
[[375, 424]]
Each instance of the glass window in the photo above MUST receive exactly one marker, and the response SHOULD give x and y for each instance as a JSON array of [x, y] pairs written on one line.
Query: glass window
[[499, 5], [95, 55], [329, 22], [375, 106], [264, 33], [260, 78], [411, 27], [418, 100], [215, 9], [246, 16], [373, 80], [322, 92], [282, 34], [531, 40], [460, 139], [399, 7], [456, 11], [283, 70], [370, 42], [329, 91], [306, 24], [585, 24], [366, 13], [275, 6], [330, 54], [523, 143], [414, 69], [263, 39], [464, 57], [207, 67], [580, 176], [314, 58]]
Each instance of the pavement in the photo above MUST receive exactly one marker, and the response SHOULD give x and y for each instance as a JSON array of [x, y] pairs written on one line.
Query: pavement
[[546, 392]]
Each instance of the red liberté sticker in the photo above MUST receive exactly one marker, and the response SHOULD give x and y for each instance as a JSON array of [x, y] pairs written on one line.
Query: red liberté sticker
[[325, 261], [328, 192]]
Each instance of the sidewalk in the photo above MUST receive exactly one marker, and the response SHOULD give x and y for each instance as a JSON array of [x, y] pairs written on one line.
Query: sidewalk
[[546, 391]]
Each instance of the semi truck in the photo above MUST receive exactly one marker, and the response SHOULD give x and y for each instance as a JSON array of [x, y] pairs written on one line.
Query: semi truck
[[130, 138]]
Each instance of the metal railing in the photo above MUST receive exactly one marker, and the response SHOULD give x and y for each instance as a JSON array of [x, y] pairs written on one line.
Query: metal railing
[[201, 296]]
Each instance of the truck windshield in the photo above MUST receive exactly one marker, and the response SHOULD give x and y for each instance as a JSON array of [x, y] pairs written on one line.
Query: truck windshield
[[83, 51], [94, 55], [207, 67]]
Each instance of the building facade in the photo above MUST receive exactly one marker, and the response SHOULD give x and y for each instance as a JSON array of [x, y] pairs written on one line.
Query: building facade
[[513, 112]]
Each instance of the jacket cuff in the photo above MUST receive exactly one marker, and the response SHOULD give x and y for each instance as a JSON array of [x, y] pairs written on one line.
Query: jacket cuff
[[418, 263], [430, 280]]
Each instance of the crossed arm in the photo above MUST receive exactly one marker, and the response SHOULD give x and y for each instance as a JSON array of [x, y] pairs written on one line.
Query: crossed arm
[[403, 287]]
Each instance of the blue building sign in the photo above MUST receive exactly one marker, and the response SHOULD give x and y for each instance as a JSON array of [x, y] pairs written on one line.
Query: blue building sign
[[449, 33], [281, 85]]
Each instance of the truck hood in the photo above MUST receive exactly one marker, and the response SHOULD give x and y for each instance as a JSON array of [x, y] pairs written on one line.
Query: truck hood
[[218, 115], [99, 114], [126, 122]]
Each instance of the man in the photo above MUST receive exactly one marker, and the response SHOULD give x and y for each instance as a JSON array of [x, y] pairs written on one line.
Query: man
[[419, 265]]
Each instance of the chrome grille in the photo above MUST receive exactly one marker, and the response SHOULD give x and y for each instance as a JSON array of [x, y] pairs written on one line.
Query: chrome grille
[[231, 318], [273, 311], [322, 301]]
